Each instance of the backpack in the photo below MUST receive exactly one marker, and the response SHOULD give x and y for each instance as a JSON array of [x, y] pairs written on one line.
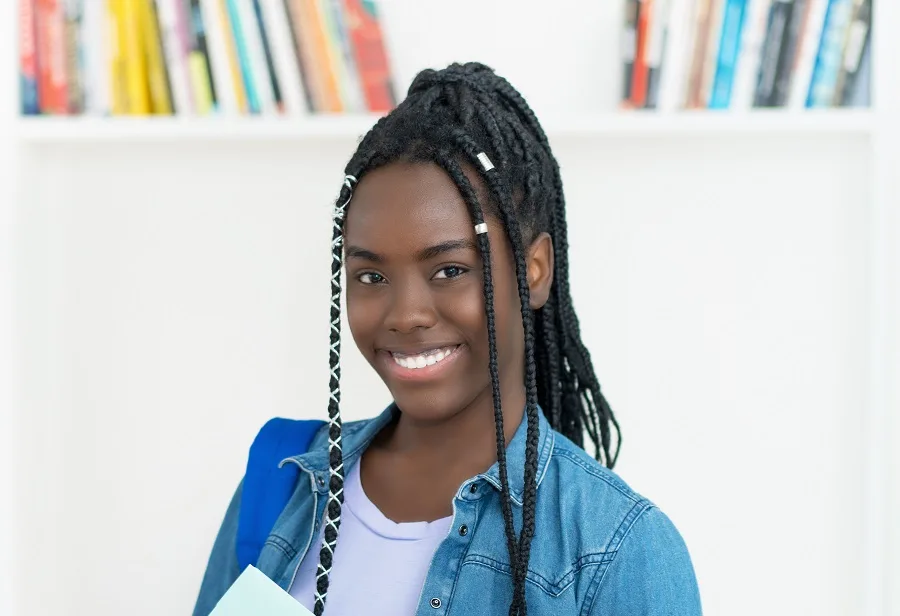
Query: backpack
[[267, 488]]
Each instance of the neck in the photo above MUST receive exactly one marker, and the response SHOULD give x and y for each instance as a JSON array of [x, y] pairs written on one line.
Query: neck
[[466, 441]]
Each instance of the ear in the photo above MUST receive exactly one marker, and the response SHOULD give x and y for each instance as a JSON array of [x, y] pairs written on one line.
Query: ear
[[539, 269]]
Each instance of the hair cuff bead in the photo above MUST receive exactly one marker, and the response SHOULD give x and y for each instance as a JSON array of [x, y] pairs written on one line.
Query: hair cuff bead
[[485, 161], [480, 228]]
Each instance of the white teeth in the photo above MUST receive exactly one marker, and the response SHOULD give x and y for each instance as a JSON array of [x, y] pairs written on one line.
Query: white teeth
[[415, 362]]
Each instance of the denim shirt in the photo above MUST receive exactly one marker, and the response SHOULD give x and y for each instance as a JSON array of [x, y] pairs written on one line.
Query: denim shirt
[[599, 548]]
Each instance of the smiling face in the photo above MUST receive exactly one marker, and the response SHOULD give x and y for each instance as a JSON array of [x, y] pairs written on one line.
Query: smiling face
[[415, 294]]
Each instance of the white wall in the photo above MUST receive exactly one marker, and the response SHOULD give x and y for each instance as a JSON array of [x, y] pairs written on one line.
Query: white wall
[[173, 297], [8, 167]]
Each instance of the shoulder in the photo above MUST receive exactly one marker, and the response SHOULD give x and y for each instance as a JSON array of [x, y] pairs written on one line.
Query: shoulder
[[603, 504], [605, 507], [634, 543]]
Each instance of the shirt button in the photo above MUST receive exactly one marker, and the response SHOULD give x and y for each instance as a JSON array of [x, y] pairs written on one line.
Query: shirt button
[[435, 603], [463, 530], [321, 481], [473, 488]]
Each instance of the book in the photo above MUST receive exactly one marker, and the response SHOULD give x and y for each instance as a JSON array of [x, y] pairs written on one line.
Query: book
[[629, 47], [828, 57], [371, 56], [203, 84], [729, 50], [857, 41], [157, 71], [659, 30], [254, 594], [28, 68], [53, 97], [787, 56], [776, 30], [806, 53], [176, 55]]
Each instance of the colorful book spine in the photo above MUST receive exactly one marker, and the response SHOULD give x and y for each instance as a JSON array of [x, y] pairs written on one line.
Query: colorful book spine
[[204, 88], [266, 40], [176, 55], [629, 48], [157, 72], [779, 18], [701, 34], [74, 65], [856, 42], [131, 37], [729, 52], [806, 53], [325, 51], [747, 71], [828, 58], [28, 66], [788, 55], [639, 79], [95, 35], [240, 47], [348, 73], [677, 55], [53, 95], [659, 29], [253, 57], [371, 55], [232, 56], [116, 59], [307, 71], [215, 25], [711, 59]]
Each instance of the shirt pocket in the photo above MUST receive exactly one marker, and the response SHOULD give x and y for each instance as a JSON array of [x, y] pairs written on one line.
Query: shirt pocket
[[485, 586]]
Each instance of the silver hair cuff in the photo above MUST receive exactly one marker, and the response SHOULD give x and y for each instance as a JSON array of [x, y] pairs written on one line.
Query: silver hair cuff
[[480, 228], [485, 161]]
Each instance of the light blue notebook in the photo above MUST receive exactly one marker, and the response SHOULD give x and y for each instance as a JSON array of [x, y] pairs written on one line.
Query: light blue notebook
[[253, 594]]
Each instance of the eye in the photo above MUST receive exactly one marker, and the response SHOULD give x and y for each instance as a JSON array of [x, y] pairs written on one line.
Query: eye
[[371, 278], [449, 272]]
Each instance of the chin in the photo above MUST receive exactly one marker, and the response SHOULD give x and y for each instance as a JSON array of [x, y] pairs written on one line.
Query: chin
[[433, 406]]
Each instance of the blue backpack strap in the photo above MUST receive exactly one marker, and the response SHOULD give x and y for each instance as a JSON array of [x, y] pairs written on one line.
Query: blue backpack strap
[[266, 487]]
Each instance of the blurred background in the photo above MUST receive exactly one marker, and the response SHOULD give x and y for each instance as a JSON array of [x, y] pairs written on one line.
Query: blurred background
[[730, 169]]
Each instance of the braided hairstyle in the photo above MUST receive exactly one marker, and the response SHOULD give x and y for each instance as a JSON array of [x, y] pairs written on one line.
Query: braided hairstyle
[[467, 115]]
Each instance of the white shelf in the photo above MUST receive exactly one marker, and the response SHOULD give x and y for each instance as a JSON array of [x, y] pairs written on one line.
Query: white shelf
[[630, 124]]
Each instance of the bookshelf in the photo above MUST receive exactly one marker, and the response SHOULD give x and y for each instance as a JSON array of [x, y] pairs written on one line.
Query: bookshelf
[[772, 123], [738, 274]]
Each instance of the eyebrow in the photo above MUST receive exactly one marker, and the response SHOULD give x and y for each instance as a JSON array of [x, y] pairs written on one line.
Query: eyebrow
[[355, 252]]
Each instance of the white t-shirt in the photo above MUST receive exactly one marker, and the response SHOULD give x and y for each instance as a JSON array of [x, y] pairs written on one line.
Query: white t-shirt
[[379, 565]]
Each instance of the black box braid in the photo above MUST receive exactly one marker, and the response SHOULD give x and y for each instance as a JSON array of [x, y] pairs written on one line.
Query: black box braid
[[459, 115]]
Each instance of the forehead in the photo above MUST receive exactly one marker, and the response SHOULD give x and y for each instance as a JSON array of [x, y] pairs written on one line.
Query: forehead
[[407, 206]]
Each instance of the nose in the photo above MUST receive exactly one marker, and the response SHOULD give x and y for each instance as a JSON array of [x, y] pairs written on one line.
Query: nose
[[412, 307]]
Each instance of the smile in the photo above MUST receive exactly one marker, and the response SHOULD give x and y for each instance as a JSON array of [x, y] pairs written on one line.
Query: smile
[[423, 360]]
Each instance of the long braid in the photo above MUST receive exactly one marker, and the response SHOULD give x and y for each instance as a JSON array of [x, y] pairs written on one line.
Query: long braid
[[448, 117], [502, 195], [335, 453], [453, 169]]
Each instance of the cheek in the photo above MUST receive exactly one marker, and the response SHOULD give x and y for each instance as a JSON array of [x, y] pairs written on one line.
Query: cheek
[[363, 318]]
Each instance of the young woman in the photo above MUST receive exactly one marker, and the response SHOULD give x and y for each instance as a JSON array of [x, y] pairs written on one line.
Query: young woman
[[471, 493]]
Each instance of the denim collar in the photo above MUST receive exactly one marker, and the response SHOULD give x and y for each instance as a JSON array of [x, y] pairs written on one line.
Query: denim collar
[[356, 437]]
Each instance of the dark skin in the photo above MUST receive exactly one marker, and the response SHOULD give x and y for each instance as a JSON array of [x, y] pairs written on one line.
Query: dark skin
[[414, 283]]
